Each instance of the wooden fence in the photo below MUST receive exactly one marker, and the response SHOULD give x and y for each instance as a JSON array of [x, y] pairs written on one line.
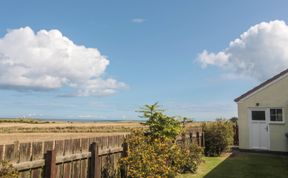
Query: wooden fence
[[75, 158], [195, 135], [71, 158]]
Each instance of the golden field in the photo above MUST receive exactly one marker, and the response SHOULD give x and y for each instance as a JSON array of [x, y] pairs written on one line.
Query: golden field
[[25, 132]]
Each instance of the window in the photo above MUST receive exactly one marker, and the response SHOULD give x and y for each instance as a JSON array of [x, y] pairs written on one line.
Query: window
[[276, 115], [258, 115]]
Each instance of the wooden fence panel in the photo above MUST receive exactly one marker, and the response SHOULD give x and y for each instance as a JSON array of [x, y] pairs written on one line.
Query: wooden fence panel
[[102, 160], [116, 163], [25, 150], [50, 164], [67, 151], [76, 148], [48, 145], [198, 138], [84, 162], [92, 140], [1, 152], [124, 153], [116, 157], [59, 148], [110, 141], [105, 142], [25, 174], [37, 153], [95, 167], [99, 142], [83, 158], [9, 154]]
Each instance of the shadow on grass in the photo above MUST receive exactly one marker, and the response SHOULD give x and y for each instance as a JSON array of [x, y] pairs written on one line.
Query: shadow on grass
[[251, 165]]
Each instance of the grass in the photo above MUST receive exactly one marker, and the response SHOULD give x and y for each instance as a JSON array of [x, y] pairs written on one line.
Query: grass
[[242, 165], [209, 164]]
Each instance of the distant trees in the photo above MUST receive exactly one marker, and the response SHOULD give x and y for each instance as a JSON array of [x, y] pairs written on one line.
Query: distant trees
[[234, 119]]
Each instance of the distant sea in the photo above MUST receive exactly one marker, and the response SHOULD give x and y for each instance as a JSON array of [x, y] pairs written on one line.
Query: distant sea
[[96, 120], [83, 119]]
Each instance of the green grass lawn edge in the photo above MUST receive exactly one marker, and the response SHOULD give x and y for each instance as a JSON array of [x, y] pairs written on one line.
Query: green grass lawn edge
[[242, 165]]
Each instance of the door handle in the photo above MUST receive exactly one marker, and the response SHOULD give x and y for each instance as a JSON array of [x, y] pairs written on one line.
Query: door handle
[[267, 128]]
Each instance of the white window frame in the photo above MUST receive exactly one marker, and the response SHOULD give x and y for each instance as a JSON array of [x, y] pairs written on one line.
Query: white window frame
[[276, 122]]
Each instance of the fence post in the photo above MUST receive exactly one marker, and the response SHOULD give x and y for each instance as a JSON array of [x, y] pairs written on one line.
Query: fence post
[[198, 138], [191, 137], [95, 161], [203, 139], [124, 154], [183, 139], [50, 164]]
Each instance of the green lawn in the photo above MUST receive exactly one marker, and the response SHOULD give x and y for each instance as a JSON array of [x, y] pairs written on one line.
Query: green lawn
[[242, 165]]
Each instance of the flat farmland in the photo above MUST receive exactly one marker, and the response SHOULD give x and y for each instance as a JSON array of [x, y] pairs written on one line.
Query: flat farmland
[[11, 131], [26, 132], [70, 124], [37, 137]]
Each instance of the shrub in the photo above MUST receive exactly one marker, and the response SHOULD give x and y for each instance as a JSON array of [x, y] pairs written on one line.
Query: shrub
[[188, 159], [234, 121], [148, 158], [158, 157], [218, 137], [7, 170], [154, 152]]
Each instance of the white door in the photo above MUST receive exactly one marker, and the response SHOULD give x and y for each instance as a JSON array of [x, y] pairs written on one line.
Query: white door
[[259, 129]]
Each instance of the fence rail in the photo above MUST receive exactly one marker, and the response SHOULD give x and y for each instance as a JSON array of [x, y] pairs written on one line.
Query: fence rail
[[76, 158], [63, 159]]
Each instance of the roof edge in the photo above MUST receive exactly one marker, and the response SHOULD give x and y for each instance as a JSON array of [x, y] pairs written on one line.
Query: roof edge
[[249, 92]]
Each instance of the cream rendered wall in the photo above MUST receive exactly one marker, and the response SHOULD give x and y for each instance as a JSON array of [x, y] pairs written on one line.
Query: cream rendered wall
[[275, 95]]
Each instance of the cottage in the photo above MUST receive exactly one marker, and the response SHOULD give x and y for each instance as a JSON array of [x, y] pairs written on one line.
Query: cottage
[[263, 115]]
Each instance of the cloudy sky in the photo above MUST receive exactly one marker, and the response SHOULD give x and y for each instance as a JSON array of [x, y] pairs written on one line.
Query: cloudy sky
[[105, 59]]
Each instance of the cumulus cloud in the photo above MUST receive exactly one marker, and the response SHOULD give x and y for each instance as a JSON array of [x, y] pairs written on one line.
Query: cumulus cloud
[[259, 53], [138, 20], [46, 60]]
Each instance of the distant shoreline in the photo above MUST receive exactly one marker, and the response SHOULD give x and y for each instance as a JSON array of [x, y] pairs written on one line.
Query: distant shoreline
[[76, 120]]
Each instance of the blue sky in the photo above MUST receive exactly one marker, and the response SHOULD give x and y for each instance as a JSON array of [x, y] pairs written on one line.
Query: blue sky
[[154, 51]]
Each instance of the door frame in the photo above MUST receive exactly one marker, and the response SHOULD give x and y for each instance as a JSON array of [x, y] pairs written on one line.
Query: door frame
[[267, 121]]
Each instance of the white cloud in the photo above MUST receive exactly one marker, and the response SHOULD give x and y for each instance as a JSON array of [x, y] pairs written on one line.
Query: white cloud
[[46, 60], [138, 20], [259, 53], [101, 87], [219, 59]]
